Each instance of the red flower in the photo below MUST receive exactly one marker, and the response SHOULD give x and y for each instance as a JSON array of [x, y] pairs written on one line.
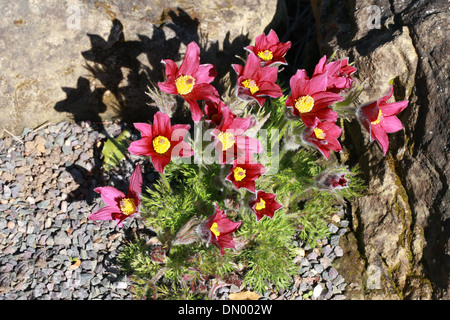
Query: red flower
[[191, 81], [269, 49], [214, 112], [379, 118], [323, 135], [309, 98], [338, 73], [217, 230], [244, 173], [230, 140], [120, 206], [161, 141], [256, 82], [264, 205]]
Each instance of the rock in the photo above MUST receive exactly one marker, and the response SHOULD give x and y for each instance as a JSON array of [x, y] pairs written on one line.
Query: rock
[[408, 197], [153, 30]]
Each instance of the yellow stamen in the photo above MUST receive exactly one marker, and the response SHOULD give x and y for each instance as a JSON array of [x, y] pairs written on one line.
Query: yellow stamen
[[239, 173], [161, 144], [184, 84], [319, 133], [266, 55], [304, 104], [251, 84], [227, 140], [378, 118], [215, 229], [260, 205], [127, 206]]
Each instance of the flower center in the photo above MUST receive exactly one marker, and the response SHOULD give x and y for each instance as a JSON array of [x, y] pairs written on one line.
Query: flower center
[[251, 84], [260, 205], [215, 229], [161, 144], [127, 206], [319, 133], [266, 55], [304, 104], [378, 118], [227, 140], [184, 84], [239, 173]]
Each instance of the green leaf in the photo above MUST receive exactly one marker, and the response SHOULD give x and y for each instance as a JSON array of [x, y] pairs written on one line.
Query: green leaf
[[114, 150]]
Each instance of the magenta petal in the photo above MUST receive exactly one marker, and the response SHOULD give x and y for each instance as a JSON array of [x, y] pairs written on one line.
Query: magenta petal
[[203, 91], [159, 162], [318, 83], [191, 60], [110, 195], [182, 149], [391, 124], [205, 74], [168, 87], [320, 66], [145, 129], [299, 84], [196, 112], [269, 89], [171, 68], [238, 68], [392, 109], [377, 133], [105, 213], [135, 184], [142, 147], [252, 66], [269, 74], [161, 125]]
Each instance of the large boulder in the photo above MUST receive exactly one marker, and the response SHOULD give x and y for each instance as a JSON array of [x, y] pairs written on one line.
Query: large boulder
[[93, 60], [401, 227]]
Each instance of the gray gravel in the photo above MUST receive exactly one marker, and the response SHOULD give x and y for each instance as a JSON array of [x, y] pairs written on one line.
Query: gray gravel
[[47, 177], [46, 195]]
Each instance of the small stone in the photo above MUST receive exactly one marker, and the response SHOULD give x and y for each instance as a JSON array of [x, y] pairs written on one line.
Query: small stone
[[338, 251], [11, 225], [317, 290], [332, 273]]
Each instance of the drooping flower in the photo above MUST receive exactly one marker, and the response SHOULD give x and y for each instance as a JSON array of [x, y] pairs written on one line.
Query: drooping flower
[[214, 112], [323, 135], [217, 230], [309, 98], [269, 49], [230, 139], [244, 173], [338, 73], [120, 206], [191, 81], [161, 141], [256, 82], [379, 118], [264, 204], [335, 177]]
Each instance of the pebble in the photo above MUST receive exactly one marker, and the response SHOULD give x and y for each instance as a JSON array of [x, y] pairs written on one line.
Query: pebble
[[44, 188]]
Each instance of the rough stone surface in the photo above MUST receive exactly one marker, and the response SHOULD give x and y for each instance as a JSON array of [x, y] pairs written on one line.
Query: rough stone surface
[[401, 226], [93, 60]]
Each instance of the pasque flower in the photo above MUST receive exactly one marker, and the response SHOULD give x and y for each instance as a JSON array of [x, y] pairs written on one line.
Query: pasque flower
[[217, 230], [323, 135], [264, 204], [338, 73], [191, 80], [120, 206], [161, 141], [256, 82], [269, 49], [230, 139], [333, 178], [379, 118], [309, 98], [244, 173], [214, 112]]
